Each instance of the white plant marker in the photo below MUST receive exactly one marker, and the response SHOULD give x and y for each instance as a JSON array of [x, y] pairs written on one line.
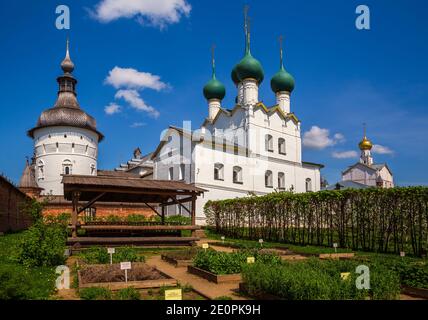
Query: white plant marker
[[125, 266], [402, 254], [335, 247], [205, 246], [222, 239], [111, 251], [261, 242]]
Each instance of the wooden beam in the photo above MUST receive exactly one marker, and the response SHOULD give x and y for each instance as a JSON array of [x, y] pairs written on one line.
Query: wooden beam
[[137, 228], [74, 214], [193, 214], [174, 200], [90, 203], [127, 190], [163, 215], [184, 200], [153, 209]]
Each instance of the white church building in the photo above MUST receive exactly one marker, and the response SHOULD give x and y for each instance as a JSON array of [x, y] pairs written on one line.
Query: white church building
[[251, 149]]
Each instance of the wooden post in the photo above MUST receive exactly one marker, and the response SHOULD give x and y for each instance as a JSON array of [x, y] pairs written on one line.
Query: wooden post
[[75, 202], [193, 213], [163, 215]]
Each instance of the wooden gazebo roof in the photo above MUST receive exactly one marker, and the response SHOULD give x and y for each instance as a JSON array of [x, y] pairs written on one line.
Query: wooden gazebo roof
[[125, 189]]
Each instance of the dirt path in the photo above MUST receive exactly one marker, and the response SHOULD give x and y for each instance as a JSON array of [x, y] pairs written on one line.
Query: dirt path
[[205, 288]]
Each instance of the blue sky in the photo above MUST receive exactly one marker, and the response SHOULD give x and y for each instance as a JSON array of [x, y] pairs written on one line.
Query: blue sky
[[344, 77]]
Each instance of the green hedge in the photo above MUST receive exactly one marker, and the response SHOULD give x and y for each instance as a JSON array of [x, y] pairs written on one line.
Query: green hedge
[[318, 280], [374, 219]]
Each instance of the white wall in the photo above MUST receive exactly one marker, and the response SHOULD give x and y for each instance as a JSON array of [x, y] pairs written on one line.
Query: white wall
[[54, 145]]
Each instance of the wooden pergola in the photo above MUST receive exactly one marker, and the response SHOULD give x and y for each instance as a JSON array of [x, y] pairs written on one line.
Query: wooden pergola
[[127, 189]]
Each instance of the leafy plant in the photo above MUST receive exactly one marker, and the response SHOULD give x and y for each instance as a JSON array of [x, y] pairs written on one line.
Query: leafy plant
[[128, 294], [95, 293], [99, 255], [42, 245]]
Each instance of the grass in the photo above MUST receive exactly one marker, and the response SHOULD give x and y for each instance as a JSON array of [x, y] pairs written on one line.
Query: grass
[[18, 281]]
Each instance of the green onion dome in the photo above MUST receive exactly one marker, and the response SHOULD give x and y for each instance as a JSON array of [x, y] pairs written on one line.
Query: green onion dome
[[235, 76], [214, 89], [249, 67], [282, 81]]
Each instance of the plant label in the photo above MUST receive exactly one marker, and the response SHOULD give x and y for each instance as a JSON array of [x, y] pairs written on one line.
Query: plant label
[[110, 250], [174, 294], [125, 266], [205, 246], [67, 252], [345, 275], [402, 254], [251, 260], [335, 245], [222, 239]]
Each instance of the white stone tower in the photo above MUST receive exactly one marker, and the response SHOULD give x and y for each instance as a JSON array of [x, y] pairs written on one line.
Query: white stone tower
[[65, 137]]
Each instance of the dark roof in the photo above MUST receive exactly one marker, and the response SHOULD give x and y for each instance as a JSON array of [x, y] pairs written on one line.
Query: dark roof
[[28, 178], [125, 189], [313, 164], [66, 111]]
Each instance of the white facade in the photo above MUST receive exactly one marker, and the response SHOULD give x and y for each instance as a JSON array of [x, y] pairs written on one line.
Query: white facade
[[251, 149], [63, 150]]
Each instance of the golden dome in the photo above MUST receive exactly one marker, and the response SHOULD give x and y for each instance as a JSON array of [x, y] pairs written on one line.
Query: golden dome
[[365, 144]]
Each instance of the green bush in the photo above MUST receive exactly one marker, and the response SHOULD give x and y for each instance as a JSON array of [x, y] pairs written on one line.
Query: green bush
[[128, 294], [319, 280], [42, 245], [99, 255], [95, 293], [184, 254], [20, 283], [229, 263]]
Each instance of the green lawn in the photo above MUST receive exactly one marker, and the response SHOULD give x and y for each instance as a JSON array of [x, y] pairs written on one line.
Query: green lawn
[[19, 282]]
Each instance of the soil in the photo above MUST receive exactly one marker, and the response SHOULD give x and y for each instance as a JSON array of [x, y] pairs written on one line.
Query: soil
[[113, 273]]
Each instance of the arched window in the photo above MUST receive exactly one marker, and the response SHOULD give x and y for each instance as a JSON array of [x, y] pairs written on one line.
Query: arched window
[[308, 185], [40, 170], [269, 143], [268, 179], [67, 167], [281, 181], [171, 173], [235, 146], [237, 175], [181, 173], [281, 146], [218, 171]]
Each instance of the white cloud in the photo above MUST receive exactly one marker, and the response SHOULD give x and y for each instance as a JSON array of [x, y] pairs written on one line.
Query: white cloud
[[112, 108], [377, 148], [158, 13], [345, 154], [134, 79], [137, 124], [135, 101], [319, 138]]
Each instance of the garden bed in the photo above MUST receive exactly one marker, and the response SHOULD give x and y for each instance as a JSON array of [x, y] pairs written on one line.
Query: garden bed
[[216, 278], [141, 276], [336, 255], [415, 292], [176, 262]]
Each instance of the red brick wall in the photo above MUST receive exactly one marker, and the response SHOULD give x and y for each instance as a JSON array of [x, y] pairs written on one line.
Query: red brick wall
[[12, 201], [121, 210]]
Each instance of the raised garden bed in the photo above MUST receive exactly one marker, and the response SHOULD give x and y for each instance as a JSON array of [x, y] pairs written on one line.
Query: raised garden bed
[[336, 255], [141, 276], [176, 262], [415, 292], [214, 277]]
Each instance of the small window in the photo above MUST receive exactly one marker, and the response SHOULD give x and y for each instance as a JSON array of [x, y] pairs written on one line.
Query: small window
[[213, 143], [67, 167], [40, 170], [171, 173], [224, 145], [281, 146], [308, 185], [181, 173], [281, 181], [269, 143], [90, 214], [235, 146], [218, 171], [93, 171], [268, 179], [237, 175]]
